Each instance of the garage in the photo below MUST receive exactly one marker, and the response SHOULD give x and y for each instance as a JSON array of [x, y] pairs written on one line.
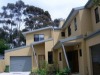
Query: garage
[[20, 63], [95, 53]]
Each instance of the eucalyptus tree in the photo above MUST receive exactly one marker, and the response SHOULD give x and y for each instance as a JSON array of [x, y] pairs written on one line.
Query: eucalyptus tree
[[19, 8], [11, 17], [18, 14], [3, 46], [3, 15], [36, 18], [56, 22], [96, 2]]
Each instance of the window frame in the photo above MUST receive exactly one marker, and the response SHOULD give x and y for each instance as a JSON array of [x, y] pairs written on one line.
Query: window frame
[[63, 34], [75, 23], [69, 30], [97, 18], [50, 57], [39, 38], [60, 56]]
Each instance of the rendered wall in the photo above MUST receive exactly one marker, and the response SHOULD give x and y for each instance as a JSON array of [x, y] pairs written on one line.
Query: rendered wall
[[20, 52], [48, 47], [85, 21], [96, 26], [91, 42], [72, 26], [30, 36], [2, 66]]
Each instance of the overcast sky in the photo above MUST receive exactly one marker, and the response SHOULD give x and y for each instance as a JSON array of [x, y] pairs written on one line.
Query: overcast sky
[[56, 8]]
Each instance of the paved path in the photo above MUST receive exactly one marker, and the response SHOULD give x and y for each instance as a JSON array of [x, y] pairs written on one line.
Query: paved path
[[16, 73]]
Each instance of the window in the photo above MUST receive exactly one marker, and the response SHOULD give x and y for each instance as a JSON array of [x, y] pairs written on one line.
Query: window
[[63, 34], [50, 57], [38, 37], [80, 52], [75, 24], [69, 31], [97, 15], [60, 57]]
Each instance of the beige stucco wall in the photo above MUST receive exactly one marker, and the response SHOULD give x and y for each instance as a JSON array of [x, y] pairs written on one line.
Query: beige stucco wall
[[56, 36], [85, 21], [91, 42], [96, 26], [20, 52], [30, 36], [81, 59], [28, 51], [40, 50], [48, 47], [72, 26], [55, 58], [2, 65], [58, 64]]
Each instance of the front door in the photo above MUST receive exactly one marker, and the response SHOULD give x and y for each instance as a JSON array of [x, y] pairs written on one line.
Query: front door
[[73, 61], [41, 60]]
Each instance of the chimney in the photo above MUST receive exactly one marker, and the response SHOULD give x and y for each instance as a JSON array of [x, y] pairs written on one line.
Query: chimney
[[61, 22]]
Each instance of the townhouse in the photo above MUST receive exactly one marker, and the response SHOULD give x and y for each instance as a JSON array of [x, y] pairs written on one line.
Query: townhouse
[[39, 44], [75, 44], [80, 48]]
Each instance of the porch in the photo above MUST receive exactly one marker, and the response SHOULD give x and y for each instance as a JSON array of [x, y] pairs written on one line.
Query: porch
[[70, 52], [42, 53]]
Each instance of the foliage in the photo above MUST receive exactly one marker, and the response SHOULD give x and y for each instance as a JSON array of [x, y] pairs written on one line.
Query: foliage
[[7, 68], [43, 70], [50, 70], [65, 71], [96, 2], [15, 15], [3, 46], [36, 18], [56, 22]]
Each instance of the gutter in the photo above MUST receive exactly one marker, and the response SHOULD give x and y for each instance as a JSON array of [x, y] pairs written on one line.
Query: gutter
[[92, 35], [24, 33], [35, 43], [66, 40], [14, 49]]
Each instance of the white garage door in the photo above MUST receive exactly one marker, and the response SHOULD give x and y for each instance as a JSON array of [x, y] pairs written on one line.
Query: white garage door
[[20, 63]]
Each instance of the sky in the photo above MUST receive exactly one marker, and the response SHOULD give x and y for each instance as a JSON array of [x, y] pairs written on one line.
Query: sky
[[56, 8]]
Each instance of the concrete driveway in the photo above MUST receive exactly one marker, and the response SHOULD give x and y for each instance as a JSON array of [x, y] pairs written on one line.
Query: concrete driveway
[[16, 73]]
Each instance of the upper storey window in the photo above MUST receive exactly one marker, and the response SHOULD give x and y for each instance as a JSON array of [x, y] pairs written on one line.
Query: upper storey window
[[38, 37], [63, 34], [75, 24], [69, 30], [97, 15]]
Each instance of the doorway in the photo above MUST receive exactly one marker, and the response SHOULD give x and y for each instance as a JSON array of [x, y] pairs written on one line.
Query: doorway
[[41, 60], [73, 61]]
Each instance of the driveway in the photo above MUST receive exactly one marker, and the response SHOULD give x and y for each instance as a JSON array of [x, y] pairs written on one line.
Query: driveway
[[16, 73]]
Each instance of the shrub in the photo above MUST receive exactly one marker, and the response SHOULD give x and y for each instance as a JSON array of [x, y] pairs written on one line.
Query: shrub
[[3, 46], [43, 70], [65, 71], [7, 68]]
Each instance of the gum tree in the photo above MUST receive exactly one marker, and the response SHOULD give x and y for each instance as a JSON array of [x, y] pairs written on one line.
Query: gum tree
[[96, 2]]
